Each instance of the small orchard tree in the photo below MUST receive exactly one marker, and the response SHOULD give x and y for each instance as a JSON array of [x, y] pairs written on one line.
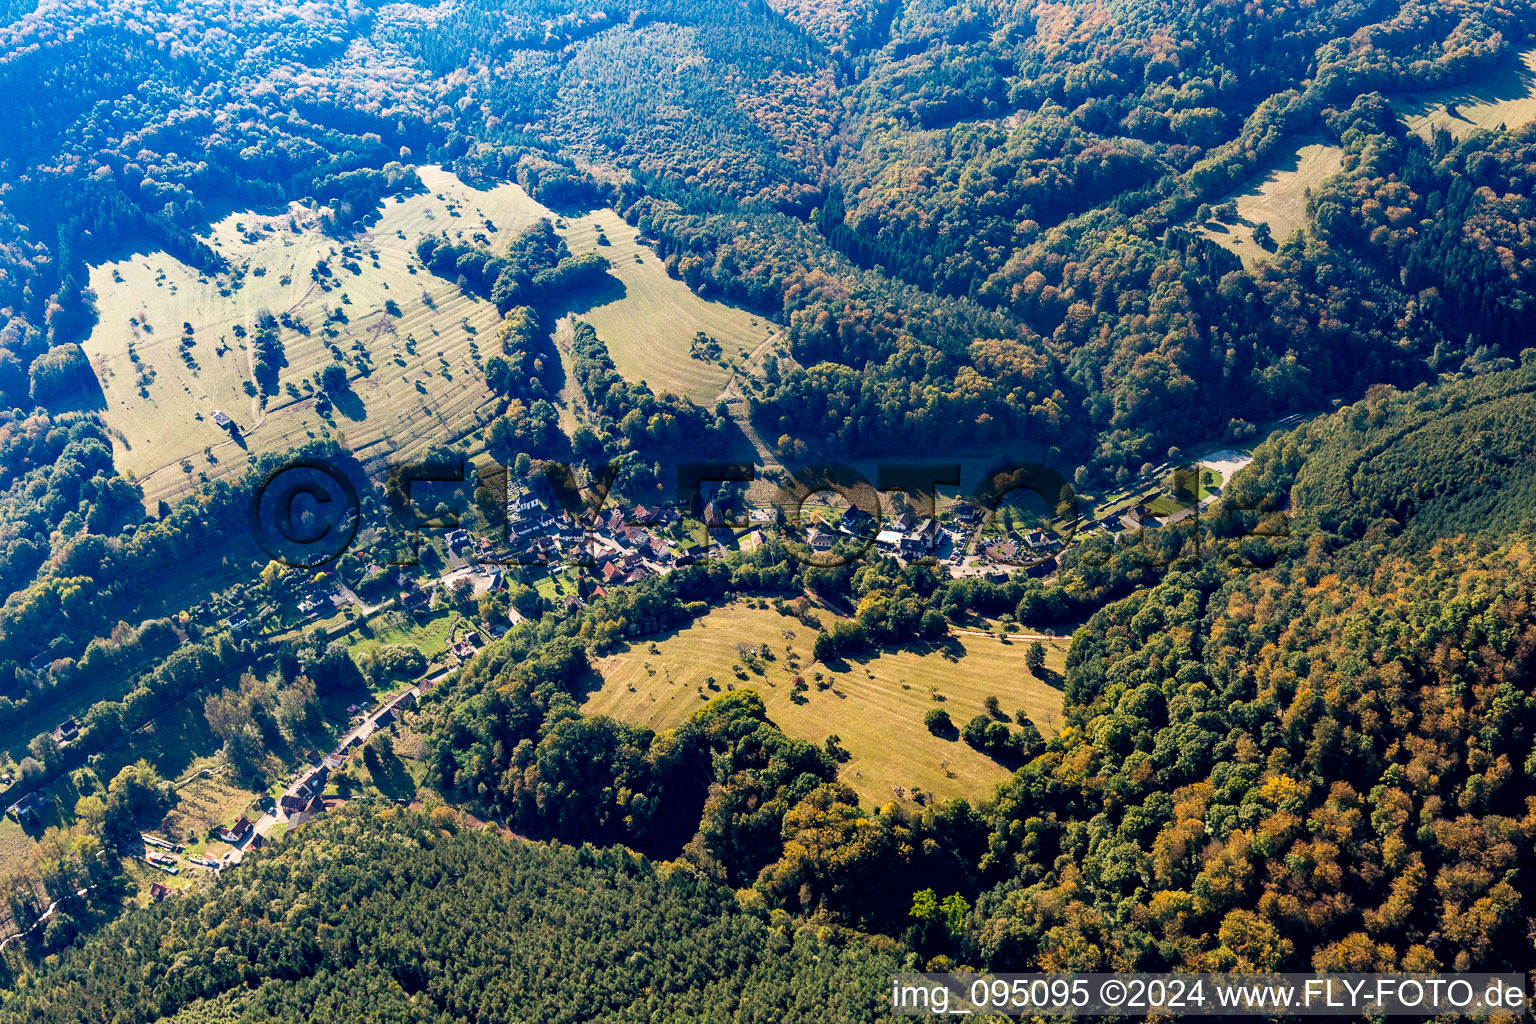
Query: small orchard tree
[[824, 648], [333, 379], [1034, 657]]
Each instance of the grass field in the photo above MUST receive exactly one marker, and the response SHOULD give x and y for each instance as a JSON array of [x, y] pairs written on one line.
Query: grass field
[[875, 705], [430, 634], [205, 804], [1278, 198], [1505, 97], [650, 319], [425, 383]]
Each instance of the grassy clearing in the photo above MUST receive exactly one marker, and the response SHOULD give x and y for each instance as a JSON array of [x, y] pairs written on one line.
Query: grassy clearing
[[207, 803], [16, 847], [426, 383], [1278, 199], [429, 634], [1505, 97], [142, 876], [875, 705], [649, 319]]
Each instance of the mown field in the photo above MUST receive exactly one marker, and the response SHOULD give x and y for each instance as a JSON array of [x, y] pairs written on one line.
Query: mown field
[[875, 705], [425, 383], [416, 366], [649, 320], [1506, 96], [1278, 198]]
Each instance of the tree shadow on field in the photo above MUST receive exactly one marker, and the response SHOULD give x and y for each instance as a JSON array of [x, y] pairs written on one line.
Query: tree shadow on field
[[583, 300], [349, 405], [590, 682], [392, 779], [86, 396]]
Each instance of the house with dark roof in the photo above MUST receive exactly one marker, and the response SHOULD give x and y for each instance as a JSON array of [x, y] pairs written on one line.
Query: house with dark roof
[[1039, 540], [1139, 518], [967, 512], [1041, 569], [314, 782], [238, 831], [853, 519]]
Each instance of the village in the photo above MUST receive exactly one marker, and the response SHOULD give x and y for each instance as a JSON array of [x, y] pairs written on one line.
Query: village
[[580, 557], [571, 553], [617, 546]]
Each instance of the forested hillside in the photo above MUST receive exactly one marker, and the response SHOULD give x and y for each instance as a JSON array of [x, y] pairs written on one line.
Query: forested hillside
[[974, 218], [1432, 463], [1320, 760], [1324, 766], [382, 915]]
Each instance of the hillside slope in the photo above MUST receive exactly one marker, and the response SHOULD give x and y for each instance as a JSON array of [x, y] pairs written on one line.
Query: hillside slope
[[381, 915]]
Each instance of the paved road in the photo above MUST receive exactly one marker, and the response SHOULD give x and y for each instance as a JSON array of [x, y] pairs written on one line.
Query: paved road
[[363, 730]]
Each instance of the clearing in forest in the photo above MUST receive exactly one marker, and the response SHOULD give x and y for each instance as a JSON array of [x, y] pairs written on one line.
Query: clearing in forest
[[172, 346], [874, 703], [649, 320], [1278, 198], [1505, 96]]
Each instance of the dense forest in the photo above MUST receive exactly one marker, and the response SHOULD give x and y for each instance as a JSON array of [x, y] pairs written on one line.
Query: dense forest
[[358, 917]]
